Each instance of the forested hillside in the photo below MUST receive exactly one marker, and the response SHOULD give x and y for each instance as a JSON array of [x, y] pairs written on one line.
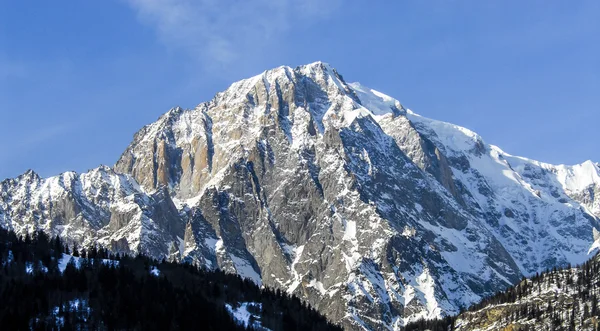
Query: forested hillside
[[45, 285], [558, 299]]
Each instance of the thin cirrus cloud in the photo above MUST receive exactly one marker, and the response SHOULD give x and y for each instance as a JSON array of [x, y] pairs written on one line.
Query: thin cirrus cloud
[[220, 32], [29, 140]]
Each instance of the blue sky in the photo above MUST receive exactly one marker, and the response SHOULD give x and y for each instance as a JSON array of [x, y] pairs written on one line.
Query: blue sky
[[79, 78]]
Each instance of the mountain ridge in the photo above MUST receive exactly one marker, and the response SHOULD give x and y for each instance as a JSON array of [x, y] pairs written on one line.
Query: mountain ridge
[[330, 191]]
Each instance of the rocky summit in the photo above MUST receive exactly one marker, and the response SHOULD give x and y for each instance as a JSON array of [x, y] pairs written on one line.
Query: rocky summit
[[327, 190]]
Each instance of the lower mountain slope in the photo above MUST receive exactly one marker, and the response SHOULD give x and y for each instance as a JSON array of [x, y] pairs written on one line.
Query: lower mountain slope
[[559, 299], [45, 286]]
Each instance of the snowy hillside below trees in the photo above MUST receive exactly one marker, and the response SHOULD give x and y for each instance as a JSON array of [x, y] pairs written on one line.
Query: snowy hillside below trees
[[45, 285]]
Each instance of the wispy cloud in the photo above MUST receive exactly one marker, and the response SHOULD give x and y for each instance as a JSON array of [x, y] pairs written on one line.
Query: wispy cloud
[[27, 140], [220, 32]]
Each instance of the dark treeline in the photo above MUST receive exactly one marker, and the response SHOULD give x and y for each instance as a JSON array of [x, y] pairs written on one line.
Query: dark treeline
[[96, 293], [432, 325], [583, 284]]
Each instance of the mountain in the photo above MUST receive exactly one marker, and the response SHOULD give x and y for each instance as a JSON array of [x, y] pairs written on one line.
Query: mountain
[[563, 299], [330, 191]]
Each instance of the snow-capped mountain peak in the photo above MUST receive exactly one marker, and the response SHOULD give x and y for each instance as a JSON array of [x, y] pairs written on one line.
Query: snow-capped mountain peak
[[331, 191]]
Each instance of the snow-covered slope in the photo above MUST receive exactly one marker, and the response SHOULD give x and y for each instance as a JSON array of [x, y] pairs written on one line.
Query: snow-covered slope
[[522, 200], [99, 206], [331, 191]]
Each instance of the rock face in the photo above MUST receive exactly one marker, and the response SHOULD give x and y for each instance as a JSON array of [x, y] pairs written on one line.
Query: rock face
[[331, 191], [99, 206]]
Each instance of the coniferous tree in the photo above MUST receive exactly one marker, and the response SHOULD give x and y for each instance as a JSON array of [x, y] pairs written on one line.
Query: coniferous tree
[[124, 296]]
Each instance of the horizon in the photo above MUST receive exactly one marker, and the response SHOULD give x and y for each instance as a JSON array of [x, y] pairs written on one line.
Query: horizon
[[75, 89]]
